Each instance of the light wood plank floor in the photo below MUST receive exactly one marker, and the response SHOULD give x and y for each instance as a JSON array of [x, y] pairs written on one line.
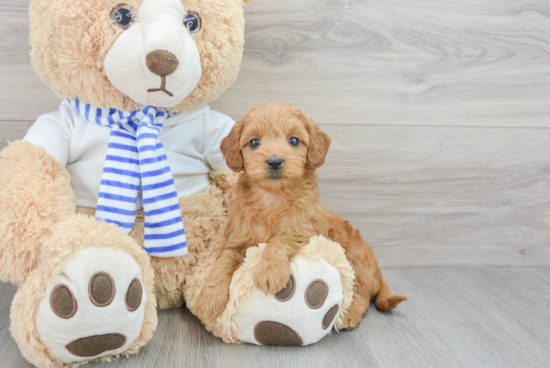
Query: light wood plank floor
[[469, 317]]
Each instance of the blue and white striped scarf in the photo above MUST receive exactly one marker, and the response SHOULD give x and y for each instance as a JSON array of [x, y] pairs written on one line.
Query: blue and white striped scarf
[[136, 159]]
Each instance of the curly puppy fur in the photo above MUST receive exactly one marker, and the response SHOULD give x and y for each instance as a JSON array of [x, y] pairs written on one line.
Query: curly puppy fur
[[281, 207], [68, 53]]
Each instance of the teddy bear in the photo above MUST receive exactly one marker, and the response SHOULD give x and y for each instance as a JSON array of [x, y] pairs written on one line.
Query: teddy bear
[[114, 206]]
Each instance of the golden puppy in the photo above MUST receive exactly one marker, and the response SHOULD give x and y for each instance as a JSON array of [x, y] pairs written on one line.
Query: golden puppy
[[278, 150]]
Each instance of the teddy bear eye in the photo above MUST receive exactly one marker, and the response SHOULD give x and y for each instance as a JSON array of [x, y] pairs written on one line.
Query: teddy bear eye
[[192, 22], [254, 143], [293, 141], [123, 16]]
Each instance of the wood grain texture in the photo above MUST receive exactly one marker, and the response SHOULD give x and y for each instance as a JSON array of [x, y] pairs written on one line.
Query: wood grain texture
[[22, 95], [484, 317], [13, 130], [399, 62], [436, 196], [445, 196], [389, 62]]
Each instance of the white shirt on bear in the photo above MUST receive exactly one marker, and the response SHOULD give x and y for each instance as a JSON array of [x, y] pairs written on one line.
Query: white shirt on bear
[[191, 141]]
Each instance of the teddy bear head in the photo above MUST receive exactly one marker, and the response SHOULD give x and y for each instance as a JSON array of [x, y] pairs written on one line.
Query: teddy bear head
[[126, 54]]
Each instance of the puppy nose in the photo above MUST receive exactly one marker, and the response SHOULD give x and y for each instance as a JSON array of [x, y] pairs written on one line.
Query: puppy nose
[[275, 163], [162, 62]]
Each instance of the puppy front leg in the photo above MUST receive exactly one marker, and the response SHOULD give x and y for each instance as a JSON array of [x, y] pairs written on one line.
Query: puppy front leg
[[272, 273], [215, 291]]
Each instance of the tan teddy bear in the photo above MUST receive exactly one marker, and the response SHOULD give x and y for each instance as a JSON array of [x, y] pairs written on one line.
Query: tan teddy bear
[[135, 145], [78, 275]]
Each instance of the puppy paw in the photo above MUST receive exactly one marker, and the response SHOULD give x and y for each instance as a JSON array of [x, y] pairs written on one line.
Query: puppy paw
[[94, 307], [270, 276], [212, 301]]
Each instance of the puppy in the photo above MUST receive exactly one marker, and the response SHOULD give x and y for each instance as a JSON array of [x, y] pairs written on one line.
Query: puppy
[[275, 202]]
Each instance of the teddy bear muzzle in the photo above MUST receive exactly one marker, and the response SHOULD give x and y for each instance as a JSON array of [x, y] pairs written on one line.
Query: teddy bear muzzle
[[155, 61], [162, 63]]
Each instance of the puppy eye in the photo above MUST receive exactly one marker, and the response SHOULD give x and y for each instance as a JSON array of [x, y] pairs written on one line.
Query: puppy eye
[[254, 143], [294, 142], [192, 22], [123, 16]]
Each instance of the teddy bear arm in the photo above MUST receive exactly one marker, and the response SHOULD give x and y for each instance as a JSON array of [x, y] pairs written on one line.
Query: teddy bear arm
[[224, 181], [317, 297], [35, 195]]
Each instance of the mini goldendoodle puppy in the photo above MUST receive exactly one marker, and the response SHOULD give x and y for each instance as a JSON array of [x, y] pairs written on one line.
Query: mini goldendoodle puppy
[[278, 149]]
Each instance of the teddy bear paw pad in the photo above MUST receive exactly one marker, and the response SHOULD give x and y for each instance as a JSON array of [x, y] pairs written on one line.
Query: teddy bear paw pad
[[301, 313], [94, 307]]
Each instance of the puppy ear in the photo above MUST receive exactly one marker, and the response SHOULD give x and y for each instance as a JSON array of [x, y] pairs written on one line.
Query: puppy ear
[[319, 143], [231, 148]]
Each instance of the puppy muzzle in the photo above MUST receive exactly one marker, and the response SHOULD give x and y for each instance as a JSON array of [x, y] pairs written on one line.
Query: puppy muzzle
[[275, 165]]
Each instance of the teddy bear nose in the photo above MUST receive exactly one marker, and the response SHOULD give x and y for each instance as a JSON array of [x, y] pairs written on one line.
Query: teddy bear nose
[[162, 62]]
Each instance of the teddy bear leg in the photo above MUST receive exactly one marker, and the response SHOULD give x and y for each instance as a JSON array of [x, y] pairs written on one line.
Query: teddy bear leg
[[204, 217], [302, 313], [90, 297], [35, 195], [315, 299]]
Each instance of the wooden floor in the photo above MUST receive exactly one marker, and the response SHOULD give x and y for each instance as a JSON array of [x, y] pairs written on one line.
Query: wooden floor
[[457, 317], [439, 113]]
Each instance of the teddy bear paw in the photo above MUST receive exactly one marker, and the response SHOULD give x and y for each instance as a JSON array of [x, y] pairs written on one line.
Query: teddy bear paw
[[94, 307], [302, 313]]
